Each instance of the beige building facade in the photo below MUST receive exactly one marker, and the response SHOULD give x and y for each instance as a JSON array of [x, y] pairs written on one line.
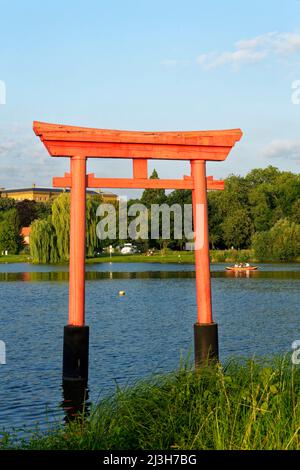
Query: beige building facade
[[40, 194]]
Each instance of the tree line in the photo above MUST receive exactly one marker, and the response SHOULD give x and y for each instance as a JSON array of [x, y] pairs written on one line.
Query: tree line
[[260, 211]]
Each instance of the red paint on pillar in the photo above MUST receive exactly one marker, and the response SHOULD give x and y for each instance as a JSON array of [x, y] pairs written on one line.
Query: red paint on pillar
[[202, 262], [77, 242]]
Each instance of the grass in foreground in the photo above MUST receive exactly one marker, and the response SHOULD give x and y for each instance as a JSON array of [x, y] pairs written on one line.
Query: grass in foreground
[[250, 406]]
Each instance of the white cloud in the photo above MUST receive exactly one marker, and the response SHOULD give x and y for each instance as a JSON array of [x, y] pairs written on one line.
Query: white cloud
[[253, 50], [286, 149], [240, 56], [287, 43], [24, 160]]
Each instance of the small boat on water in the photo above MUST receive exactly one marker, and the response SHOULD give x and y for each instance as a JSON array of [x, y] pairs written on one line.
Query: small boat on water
[[241, 268]]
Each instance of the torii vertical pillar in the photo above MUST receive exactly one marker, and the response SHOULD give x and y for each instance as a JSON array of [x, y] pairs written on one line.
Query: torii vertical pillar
[[205, 330], [76, 333]]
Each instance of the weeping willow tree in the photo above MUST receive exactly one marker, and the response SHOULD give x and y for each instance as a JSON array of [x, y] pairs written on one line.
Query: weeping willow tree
[[50, 239], [92, 241], [61, 223], [43, 242]]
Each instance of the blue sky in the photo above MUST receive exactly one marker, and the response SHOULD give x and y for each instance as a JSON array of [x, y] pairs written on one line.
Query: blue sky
[[149, 65]]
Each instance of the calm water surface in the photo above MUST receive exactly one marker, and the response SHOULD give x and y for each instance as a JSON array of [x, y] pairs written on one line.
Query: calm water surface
[[134, 336]]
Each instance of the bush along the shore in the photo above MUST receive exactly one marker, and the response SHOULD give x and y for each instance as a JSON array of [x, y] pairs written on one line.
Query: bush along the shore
[[242, 405], [281, 242]]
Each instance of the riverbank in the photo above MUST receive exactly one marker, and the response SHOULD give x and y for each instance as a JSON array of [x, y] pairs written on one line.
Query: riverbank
[[248, 405], [15, 259], [216, 256], [187, 257]]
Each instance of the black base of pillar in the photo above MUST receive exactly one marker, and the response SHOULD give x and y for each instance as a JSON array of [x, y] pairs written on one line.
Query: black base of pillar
[[75, 399], [206, 343], [76, 353]]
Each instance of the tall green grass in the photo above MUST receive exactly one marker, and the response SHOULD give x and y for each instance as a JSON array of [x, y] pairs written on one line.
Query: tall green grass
[[232, 256], [247, 405]]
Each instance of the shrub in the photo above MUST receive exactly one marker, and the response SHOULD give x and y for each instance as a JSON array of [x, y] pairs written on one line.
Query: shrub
[[281, 242]]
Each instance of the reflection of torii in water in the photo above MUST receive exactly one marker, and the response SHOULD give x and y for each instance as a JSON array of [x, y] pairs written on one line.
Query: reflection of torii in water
[[80, 143]]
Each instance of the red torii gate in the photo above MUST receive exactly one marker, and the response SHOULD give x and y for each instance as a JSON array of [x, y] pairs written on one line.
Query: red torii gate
[[80, 143]]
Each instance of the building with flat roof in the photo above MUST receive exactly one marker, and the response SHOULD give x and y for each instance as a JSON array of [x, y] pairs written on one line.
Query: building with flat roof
[[40, 194]]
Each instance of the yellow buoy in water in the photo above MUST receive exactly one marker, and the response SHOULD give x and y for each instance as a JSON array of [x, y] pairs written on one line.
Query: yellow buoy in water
[[121, 292]]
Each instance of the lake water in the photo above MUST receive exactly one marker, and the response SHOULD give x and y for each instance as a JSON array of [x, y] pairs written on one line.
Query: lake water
[[134, 336]]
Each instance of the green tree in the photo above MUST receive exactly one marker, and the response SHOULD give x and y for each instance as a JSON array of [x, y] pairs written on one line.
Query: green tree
[[43, 209], [262, 205], [237, 229], [61, 222], [182, 197], [56, 230], [92, 241], [288, 193], [214, 238], [215, 219], [10, 238], [43, 242], [261, 244], [295, 212], [281, 242], [27, 212], [285, 240], [259, 176], [271, 196], [153, 196], [6, 203]]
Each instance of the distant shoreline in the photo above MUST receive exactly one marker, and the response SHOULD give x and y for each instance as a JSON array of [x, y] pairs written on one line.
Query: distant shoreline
[[171, 257]]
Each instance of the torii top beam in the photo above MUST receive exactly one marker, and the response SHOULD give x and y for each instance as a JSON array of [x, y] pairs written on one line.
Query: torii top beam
[[66, 141]]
